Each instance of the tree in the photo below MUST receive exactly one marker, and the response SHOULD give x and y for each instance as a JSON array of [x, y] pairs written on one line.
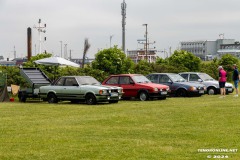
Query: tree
[[185, 59], [143, 67], [227, 62], [112, 61]]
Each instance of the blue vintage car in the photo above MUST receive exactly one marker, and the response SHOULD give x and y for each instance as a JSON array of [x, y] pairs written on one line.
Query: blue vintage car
[[178, 85], [80, 88]]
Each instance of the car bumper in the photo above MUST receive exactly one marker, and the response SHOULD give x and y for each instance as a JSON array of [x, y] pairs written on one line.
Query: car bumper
[[196, 93], [159, 94], [106, 98]]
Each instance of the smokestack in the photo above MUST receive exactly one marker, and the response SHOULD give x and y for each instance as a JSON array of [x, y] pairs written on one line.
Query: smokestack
[[29, 42]]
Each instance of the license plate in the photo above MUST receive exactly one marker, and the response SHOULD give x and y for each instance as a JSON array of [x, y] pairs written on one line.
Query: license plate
[[230, 89], [114, 94], [201, 92], [164, 93]]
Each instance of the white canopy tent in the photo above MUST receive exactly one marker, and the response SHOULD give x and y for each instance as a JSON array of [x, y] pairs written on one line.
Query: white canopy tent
[[56, 61]]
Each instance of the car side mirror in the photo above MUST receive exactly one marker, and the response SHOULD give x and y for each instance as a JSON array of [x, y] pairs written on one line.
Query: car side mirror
[[199, 80], [132, 83], [75, 85]]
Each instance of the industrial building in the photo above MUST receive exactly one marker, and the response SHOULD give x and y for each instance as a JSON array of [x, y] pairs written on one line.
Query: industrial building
[[208, 49]]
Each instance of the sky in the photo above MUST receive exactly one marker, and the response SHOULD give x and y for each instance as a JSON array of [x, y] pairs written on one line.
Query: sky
[[71, 21]]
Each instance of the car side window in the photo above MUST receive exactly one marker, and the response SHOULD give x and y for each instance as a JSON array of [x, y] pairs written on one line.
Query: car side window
[[60, 82], [153, 78], [113, 80], [193, 77], [125, 80], [185, 76], [164, 79], [71, 82]]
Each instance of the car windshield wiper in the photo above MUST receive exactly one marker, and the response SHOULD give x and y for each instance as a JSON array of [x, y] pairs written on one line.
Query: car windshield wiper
[[85, 84], [94, 83]]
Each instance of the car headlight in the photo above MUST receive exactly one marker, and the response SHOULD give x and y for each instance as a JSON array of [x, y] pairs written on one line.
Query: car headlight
[[155, 89], [192, 88], [103, 91], [119, 90]]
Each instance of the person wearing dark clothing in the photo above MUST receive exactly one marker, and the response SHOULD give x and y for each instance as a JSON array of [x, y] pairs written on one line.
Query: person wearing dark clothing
[[235, 79]]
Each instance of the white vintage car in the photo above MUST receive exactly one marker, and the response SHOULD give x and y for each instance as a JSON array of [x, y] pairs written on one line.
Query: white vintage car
[[203, 78], [80, 88]]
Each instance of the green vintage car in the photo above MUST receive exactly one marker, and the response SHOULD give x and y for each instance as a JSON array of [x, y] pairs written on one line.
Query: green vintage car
[[80, 88]]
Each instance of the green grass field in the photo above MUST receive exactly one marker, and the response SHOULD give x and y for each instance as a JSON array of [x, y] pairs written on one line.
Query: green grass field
[[172, 129]]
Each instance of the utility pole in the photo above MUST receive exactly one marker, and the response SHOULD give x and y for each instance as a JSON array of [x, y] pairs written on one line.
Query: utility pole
[[61, 48], [146, 43], [123, 6], [14, 52], [40, 30]]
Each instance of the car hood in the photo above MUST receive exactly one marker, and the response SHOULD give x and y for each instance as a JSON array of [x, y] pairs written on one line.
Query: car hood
[[216, 83], [102, 86], [154, 85]]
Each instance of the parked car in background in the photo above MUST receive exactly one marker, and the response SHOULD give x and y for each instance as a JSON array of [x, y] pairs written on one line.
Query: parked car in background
[[203, 78], [138, 86], [80, 88], [178, 85]]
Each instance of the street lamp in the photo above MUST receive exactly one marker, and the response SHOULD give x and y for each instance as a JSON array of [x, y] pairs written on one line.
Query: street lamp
[[61, 47], [146, 41]]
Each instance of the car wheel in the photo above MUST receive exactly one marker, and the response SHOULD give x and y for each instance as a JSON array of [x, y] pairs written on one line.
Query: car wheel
[[90, 99], [52, 98], [143, 96], [181, 93], [211, 91]]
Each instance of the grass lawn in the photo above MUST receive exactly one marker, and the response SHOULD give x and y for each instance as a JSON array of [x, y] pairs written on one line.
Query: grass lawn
[[172, 129]]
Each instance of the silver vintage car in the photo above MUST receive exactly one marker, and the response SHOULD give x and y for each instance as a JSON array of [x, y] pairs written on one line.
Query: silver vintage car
[[80, 88], [211, 84]]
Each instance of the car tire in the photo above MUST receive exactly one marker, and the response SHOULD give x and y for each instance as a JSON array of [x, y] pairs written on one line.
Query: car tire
[[181, 93], [143, 96], [211, 91], [52, 98], [90, 99]]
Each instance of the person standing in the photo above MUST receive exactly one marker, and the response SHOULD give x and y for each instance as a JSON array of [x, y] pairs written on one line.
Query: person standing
[[235, 79], [222, 81]]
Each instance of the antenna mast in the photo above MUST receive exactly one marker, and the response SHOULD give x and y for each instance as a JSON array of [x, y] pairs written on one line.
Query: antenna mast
[[123, 6], [40, 29]]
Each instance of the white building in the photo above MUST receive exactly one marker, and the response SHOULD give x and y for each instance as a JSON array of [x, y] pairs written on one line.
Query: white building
[[205, 48]]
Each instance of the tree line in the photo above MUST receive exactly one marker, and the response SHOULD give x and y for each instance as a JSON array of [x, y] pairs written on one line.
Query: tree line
[[114, 61]]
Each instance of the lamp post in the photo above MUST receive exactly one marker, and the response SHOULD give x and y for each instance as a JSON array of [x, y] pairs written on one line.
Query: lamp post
[[146, 43], [65, 51]]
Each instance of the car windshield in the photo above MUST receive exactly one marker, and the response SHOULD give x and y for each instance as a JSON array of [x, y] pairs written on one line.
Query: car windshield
[[176, 78], [140, 79], [205, 77], [87, 81]]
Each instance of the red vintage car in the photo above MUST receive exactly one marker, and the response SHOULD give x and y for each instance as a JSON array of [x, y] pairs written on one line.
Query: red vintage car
[[138, 86]]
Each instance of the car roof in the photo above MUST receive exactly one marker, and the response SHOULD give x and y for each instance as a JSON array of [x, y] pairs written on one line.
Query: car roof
[[126, 75], [162, 73], [76, 76], [190, 72]]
